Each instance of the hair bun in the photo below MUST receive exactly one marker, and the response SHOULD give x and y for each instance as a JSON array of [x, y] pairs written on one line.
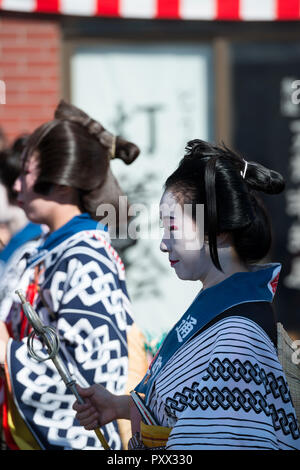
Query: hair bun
[[262, 179], [117, 146], [126, 151], [66, 110], [69, 112]]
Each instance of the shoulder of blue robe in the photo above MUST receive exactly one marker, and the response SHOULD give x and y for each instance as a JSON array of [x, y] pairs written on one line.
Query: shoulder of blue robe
[[85, 298], [29, 232]]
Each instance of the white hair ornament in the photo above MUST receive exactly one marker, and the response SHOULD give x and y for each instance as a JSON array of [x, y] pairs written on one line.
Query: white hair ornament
[[243, 173]]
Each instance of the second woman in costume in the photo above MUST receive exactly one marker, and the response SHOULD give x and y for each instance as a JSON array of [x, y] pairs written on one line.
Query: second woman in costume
[[75, 280]]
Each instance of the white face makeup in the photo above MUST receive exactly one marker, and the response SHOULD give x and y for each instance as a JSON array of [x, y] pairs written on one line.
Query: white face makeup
[[183, 240]]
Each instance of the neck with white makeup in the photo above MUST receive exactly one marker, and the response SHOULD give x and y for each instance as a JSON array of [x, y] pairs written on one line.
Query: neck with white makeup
[[230, 263]]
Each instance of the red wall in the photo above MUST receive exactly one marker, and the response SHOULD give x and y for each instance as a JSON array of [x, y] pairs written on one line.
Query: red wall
[[30, 67]]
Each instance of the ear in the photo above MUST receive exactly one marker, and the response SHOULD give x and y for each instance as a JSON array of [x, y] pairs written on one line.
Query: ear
[[65, 194]]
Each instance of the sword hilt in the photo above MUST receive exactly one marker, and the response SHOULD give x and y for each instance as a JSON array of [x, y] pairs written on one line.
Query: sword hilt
[[49, 337]]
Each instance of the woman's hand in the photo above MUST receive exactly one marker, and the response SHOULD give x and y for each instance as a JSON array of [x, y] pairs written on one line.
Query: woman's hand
[[100, 407], [4, 337]]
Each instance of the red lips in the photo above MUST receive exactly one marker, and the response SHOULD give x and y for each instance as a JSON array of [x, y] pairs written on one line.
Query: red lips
[[173, 261]]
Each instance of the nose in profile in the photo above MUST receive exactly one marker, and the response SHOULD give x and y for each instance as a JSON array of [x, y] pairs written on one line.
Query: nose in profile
[[17, 185], [164, 246]]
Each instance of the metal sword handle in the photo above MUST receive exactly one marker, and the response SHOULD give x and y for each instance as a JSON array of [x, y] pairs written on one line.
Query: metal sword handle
[[41, 332]]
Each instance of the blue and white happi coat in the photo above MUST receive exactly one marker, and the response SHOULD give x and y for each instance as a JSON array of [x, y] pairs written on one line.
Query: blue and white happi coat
[[85, 299]]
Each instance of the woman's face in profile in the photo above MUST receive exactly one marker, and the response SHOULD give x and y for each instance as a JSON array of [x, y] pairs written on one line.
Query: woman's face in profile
[[183, 239], [36, 206]]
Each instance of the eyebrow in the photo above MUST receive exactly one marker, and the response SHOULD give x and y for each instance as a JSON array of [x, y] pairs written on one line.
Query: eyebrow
[[167, 216]]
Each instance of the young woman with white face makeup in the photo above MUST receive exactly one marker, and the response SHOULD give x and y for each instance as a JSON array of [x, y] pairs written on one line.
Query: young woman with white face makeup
[[187, 248], [216, 382]]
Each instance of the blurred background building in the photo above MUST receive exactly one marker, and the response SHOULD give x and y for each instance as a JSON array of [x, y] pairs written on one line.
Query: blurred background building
[[162, 72]]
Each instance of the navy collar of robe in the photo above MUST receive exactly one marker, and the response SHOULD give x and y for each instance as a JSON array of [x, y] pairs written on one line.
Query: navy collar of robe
[[257, 285], [77, 224]]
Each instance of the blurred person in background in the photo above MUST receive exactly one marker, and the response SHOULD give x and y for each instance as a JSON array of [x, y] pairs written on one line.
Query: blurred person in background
[[5, 232], [20, 229], [23, 234], [216, 382], [12, 218], [76, 282]]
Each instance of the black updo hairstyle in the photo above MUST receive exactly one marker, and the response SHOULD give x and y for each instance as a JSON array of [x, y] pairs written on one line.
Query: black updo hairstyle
[[211, 175], [74, 150]]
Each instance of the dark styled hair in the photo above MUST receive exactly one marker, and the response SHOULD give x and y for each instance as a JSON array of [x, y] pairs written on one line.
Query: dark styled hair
[[11, 166], [211, 175], [74, 150]]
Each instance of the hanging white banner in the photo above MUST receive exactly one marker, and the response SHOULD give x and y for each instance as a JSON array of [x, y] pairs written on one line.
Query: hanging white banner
[[158, 96]]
